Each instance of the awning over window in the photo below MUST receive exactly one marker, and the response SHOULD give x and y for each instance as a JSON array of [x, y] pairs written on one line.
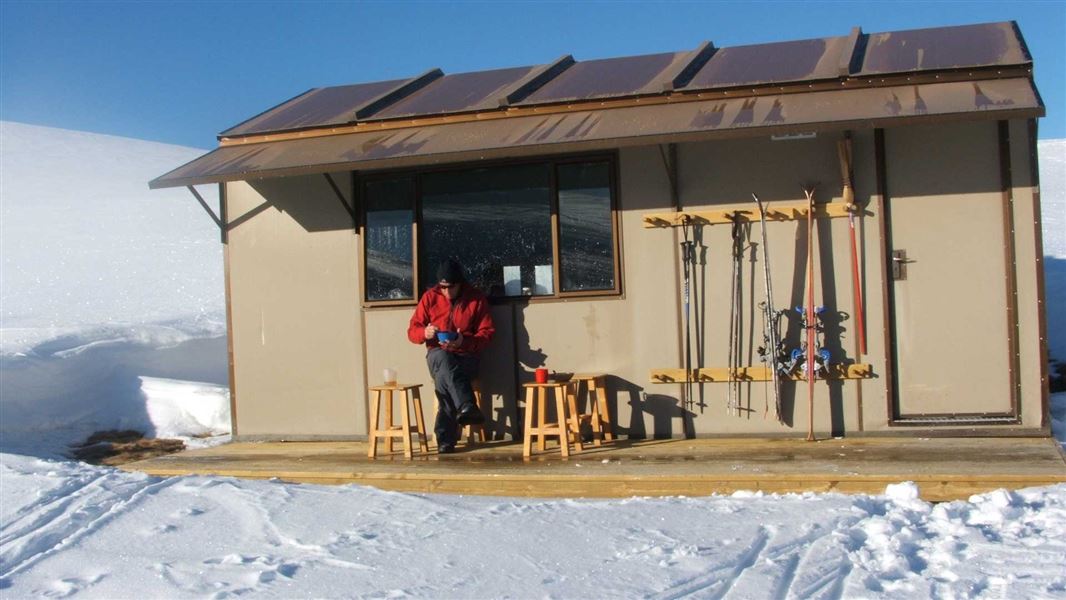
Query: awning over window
[[685, 119]]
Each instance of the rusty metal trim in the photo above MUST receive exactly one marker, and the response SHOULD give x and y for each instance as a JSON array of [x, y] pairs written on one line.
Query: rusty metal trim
[[208, 210], [688, 68], [536, 79], [678, 96], [607, 129], [887, 301], [399, 92], [1041, 290], [852, 52], [1010, 267]]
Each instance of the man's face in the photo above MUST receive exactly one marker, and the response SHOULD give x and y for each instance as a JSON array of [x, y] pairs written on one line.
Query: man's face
[[450, 289]]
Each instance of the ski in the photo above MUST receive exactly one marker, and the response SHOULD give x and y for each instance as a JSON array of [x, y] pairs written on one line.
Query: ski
[[809, 326], [770, 352]]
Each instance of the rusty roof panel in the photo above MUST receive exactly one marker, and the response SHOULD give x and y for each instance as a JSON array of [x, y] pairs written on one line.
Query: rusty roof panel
[[607, 78], [781, 62], [317, 108], [600, 129], [462, 92], [987, 44]]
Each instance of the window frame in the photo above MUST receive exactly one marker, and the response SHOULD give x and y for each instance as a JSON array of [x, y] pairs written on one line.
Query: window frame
[[359, 180]]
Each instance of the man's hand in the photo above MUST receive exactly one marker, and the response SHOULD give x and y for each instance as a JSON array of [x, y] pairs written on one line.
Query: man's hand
[[431, 332], [454, 344]]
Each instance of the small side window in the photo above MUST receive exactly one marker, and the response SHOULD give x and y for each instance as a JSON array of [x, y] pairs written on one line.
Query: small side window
[[390, 216], [586, 231]]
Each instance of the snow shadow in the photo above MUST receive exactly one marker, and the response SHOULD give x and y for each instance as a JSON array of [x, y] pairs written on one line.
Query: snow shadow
[[1055, 306], [61, 395]]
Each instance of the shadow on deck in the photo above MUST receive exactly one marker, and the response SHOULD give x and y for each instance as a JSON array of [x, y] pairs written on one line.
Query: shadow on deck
[[943, 468]]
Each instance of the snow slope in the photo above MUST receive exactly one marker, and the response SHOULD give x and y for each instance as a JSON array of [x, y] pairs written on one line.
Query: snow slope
[[102, 282], [1053, 213], [93, 345]]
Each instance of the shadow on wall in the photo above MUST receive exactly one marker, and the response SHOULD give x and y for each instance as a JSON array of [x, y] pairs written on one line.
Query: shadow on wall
[[1055, 309], [665, 411], [309, 200]]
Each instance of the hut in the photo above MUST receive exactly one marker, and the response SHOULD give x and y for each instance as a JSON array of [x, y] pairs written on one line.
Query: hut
[[607, 208]]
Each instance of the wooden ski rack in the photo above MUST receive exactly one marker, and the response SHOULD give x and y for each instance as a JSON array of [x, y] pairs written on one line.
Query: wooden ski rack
[[836, 371], [779, 211]]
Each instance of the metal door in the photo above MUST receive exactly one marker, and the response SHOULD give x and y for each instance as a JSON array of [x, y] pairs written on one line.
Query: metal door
[[950, 278]]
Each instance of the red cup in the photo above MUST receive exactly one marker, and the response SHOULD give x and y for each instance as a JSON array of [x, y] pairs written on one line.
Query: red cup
[[541, 375]]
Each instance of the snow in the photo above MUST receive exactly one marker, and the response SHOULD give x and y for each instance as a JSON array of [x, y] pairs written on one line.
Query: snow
[[111, 317], [1053, 212]]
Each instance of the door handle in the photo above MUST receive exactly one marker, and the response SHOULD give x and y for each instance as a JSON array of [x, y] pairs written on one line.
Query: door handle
[[899, 265]]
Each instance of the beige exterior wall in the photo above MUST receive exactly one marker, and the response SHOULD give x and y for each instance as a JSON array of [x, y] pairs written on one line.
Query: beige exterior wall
[[298, 329], [296, 332]]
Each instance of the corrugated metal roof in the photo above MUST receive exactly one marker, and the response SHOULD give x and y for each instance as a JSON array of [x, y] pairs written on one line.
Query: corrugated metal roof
[[463, 92], [606, 78], [600, 129], [805, 60], [319, 107], [963, 47], [914, 51]]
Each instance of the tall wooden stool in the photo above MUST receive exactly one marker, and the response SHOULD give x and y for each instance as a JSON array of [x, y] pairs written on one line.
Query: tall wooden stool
[[599, 417], [566, 409], [409, 396], [472, 433]]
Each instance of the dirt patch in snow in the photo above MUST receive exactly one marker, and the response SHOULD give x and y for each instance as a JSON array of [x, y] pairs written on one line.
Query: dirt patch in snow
[[114, 447]]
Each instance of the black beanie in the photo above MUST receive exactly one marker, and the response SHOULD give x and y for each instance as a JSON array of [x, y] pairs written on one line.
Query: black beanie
[[450, 271]]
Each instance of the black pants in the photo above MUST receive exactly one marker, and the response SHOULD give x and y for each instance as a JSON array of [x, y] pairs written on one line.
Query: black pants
[[451, 374]]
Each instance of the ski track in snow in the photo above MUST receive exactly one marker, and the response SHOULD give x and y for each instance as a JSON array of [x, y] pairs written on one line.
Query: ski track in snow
[[220, 538]]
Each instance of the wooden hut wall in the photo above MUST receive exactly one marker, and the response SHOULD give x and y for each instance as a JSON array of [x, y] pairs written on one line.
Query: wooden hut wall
[[305, 348]]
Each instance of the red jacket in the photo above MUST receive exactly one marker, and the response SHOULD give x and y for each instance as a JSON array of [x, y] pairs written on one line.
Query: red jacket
[[469, 315]]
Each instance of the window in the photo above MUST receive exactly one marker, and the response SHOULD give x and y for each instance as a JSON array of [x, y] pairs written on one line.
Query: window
[[389, 242], [533, 229], [586, 234]]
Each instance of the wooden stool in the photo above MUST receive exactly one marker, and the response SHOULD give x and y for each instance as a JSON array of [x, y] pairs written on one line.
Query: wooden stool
[[471, 432], [599, 417], [409, 396], [537, 402]]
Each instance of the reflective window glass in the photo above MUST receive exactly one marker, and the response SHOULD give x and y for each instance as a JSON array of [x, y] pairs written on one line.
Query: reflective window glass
[[586, 243], [389, 242], [496, 222]]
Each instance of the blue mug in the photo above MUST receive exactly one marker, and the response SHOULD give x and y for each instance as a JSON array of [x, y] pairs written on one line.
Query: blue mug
[[447, 336]]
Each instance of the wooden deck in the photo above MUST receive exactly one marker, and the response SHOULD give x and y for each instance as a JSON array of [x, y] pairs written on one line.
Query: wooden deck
[[943, 468]]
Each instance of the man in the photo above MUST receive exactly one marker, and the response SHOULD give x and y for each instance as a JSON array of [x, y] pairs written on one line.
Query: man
[[452, 305]]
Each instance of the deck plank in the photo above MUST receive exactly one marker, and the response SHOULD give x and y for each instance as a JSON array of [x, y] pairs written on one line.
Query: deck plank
[[943, 468]]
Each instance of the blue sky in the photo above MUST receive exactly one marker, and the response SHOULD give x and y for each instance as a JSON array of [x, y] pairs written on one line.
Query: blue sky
[[180, 72]]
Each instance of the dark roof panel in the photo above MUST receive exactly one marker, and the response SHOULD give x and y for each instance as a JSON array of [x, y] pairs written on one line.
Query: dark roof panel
[[983, 45], [607, 78], [594, 129], [780, 62], [319, 107], [989, 45], [462, 92]]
